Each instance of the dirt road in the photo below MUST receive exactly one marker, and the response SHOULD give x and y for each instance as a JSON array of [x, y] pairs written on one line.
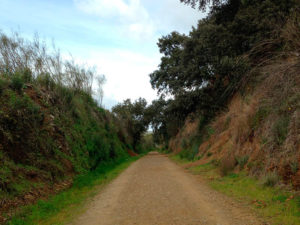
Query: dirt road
[[155, 191]]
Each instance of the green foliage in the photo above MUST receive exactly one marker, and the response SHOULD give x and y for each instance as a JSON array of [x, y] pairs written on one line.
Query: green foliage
[[294, 166], [27, 75], [210, 131], [46, 81], [133, 117], [68, 134], [3, 85], [17, 82], [146, 144], [203, 70], [280, 198], [202, 4]]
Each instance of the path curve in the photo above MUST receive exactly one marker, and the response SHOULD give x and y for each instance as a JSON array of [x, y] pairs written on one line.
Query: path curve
[[156, 191]]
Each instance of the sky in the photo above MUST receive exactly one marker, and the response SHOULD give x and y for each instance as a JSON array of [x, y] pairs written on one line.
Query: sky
[[118, 37]]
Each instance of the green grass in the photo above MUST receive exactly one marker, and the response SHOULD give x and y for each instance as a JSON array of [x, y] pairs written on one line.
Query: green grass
[[179, 159], [272, 203], [59, 209]]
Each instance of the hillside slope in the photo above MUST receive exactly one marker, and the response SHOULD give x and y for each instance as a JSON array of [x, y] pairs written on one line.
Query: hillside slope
[[51, 128], [260, 130]]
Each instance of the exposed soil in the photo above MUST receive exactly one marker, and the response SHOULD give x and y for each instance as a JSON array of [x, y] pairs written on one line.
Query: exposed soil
[[156, 191]]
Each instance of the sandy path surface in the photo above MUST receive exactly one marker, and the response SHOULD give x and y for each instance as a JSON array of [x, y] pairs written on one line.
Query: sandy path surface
[[156, 191]]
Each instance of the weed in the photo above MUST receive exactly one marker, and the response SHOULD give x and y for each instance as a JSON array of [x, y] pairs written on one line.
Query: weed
[[27, 75], [259, 117], [3, 85], [227, 122], [215, 162], [270, 179], [280, 198], [242, 161], [280, 130], [210, 131], [46, 81], [264, 140], [294, 166], [17, 82], [184, 143]]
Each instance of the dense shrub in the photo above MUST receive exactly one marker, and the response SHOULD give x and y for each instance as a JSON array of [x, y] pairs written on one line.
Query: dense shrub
[[17, 82]]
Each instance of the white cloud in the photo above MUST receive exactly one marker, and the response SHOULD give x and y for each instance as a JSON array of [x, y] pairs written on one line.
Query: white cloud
[[127, 70], [130, 15], [127, 73]]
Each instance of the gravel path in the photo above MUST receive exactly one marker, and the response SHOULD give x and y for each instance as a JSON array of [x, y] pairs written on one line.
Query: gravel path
[[156, 191]]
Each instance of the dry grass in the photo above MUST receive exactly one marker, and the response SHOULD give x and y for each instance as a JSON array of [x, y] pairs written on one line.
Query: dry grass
[[227, 165], [263, 122]]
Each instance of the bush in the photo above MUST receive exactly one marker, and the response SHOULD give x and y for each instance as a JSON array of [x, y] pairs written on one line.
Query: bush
[[227, 165], [17, 82], [2, 85], [270, 179], [27, 75], [46, 81]]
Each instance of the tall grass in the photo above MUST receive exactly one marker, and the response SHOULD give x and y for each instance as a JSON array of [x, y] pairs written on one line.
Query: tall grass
[[39, 62]]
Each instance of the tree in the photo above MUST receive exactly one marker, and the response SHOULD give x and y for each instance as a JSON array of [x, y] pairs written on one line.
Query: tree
[[200, 72], [132, 116], [202, 4]]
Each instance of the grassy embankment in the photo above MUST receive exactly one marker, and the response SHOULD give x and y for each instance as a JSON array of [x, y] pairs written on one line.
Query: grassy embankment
[[61, 208], [52, 130], [277, 205]]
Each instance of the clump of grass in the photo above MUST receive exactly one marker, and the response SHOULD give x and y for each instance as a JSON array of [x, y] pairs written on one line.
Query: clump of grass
[[242, 160], [215, 162], [294, 166], [184, 144], [17, 82], [259, 117], [280, 129], [270, 179], [2, 85], [227, 122], [210, 131]]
